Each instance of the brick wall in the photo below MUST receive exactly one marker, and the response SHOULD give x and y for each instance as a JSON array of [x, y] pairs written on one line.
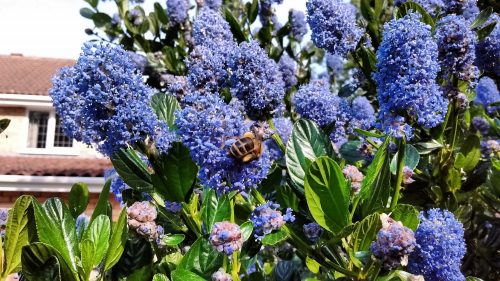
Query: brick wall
[[7, 199]]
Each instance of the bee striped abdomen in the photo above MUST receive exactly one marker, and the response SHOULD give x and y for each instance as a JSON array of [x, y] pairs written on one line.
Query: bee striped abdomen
[[242, 147]]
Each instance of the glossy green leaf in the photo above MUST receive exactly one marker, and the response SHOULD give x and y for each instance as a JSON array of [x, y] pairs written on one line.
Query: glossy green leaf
[[286, 197], [407, 214], [161, 13], [165, 105], [246, 230], [327, 194], [4, 123], [306, 143], [136, 254], [87, 252], [470, 152], [86, 13], [486, 31], [178, 174], [78, 199], [92, 3], [350, 151], [186, 275], [472, 278], [375, 189], [365, 233], [409, 7], [214, 209], [131, 169], [411, 158], [101, 19], [16, 235], [117, 241], [275, 237], [56, 227], [99, 232], [253, 11], [160, 277], [202, 259], [42, 262], [143, 273], [235, 26], [173, 239], [482, 18], [101, 208]]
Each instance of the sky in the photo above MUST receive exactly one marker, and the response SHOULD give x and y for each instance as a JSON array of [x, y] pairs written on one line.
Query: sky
[[55, 29]]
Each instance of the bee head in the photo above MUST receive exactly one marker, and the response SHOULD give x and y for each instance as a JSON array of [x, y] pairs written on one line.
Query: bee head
[[260, 130]]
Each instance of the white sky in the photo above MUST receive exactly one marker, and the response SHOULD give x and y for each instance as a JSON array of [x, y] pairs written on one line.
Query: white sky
[[54, 28]]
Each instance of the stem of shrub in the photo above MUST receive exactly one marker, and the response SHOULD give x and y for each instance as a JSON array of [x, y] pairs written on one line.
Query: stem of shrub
[[276, 136], [399, 175]]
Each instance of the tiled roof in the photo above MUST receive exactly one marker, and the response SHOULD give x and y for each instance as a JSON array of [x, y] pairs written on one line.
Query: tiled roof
[[53, 166], [28, 75]]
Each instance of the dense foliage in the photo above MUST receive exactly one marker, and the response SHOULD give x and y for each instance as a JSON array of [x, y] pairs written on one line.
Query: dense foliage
[[244, 151]]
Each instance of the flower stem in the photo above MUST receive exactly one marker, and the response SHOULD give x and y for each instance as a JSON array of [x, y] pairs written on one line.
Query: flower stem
[[399, 175], [276, 136], [235, 269]]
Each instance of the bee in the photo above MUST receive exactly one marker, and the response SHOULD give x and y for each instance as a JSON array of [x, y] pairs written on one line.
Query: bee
[[250, 146]]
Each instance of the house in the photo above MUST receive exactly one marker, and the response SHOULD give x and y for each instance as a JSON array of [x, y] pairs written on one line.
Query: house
[[36, 158]]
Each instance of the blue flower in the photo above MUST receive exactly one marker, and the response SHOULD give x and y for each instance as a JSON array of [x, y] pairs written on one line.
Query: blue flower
[[116, 19], [336, 64], [288, 68], [213, 4], [268, 217], [487, 93], [4, 215], [299, 25], [221, 275], [488, 50], [456, 45], [257, 80], [470, 10], [333, 25], [177, 11], [406, 76], [481, 125], [361, 115], [209, 26], [135, 16], [315, 102], [312, 231], [117, 185], [208, 127], [226, 237], [459, 6], [103, 100], [393, 244], [284, 130], [173, 207], [440, 247], [431, 6], [266, 11]]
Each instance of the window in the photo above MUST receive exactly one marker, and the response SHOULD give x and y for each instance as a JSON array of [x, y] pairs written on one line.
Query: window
[[45, 131]]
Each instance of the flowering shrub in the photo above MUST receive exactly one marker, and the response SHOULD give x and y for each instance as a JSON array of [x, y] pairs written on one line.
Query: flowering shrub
[[242, 151]]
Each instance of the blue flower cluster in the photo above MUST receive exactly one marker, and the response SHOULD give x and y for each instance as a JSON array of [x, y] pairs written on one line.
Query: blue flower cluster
[[299, 24], [406, 76], [361, 115], [208, 127], [488, 50], [481, 125], [221, 275], [4, 215], [226, 237], [487, 93], [256, 80], [431, 6], [210, 27], [288, 68], [135, 16], [393, 244], [177, 11], [336, 64], [173, 207], [266, 11], [333, 25], [117, 185], [268, 217], [312, 231], [141, 217], [456, 44], [314, 101], [103, 100], [284, 128], [213, 4], [440, 247]]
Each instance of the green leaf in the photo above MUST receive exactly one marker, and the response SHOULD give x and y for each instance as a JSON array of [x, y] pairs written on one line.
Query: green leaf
[[165, 105], [160, 277], [275, 237], [286, 197], [350, 151], [136, 254], [375, 189], [235, 26], [202, 259], [411, 158], [368, 133], [92, 3], [86, 13], [365, 232], [246, 230], [101, 19], [470, 154], [253, 11], [131, 169], [327, 194], [161, 13], [472, 278], [307, 142], [42, 262], [408, 7], [16, 235], [87, 251], [173, 239], [101, 208], [482, 18], [178, 172], [185, 275], [4, 123], [215, 209], [117, 241], [407, 214], [99, 232], [486, 31], [78, 199], [143, 273], [312, 265], [56, 227]]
